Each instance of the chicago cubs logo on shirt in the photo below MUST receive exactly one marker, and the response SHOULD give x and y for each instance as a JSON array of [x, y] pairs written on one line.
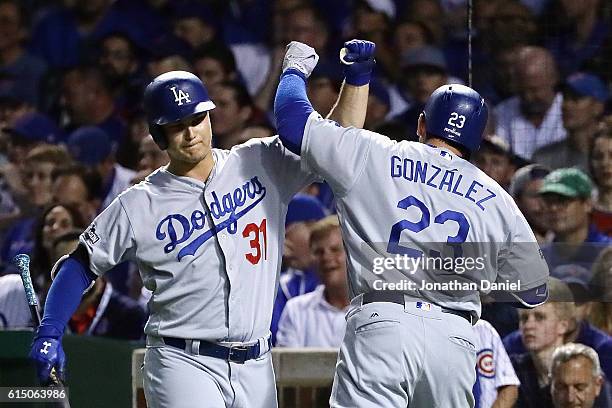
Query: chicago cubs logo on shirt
[[485, 363], [177, 228], [180, 96]]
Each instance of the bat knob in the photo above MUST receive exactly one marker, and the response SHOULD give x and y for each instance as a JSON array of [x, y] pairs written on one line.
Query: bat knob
[[21, 261], [343, 52]]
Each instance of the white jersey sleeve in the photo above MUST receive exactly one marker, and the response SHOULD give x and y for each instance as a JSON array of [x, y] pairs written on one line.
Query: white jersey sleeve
[[336, 153], [109, 239], [288, 334], [522, 260], [289, 175]]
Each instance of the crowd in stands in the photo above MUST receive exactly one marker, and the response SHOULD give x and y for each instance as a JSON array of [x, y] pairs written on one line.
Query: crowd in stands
[[74, 136]]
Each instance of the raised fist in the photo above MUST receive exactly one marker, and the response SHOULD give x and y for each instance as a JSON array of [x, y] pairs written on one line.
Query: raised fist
[[301, 57]]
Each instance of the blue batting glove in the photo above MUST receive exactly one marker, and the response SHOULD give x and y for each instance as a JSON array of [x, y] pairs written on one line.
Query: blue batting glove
[[47, 353], [357, 56]]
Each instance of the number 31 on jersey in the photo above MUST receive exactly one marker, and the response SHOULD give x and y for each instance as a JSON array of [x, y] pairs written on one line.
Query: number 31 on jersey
[[258, 241]]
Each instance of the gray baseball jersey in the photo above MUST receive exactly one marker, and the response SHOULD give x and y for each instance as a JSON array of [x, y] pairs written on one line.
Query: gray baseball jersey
[[210, 252], [447, 229]]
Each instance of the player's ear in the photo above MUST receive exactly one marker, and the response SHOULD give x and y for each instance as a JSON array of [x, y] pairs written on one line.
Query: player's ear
[[421, 128]]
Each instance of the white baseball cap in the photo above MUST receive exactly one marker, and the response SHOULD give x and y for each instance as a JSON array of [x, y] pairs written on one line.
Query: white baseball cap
[[386, 7]]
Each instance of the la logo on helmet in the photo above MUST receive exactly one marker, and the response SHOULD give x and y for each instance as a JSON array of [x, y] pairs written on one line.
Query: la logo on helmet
[[180, 96]]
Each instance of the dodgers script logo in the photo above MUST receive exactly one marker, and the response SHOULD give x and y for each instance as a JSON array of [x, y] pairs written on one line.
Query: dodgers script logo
[[232, 206], [180, 95]]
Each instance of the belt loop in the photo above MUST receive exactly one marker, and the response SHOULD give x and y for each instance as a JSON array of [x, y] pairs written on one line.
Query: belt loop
[[262, 346], [195, 347]]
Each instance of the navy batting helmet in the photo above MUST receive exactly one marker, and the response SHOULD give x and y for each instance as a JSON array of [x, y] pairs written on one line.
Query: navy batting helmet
[[172, 97], [458, 114]]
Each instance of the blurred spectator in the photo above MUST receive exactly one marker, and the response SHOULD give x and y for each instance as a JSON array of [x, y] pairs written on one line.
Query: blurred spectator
[[151, 157], [25, 69], [194, 23], [511, 25], [29, 131], [38, 168], [424, 70], [297, 276], [431, 14], [576, 331], [411, 34], [13, 105], [395, 130], [525, 189], [233, 112], [66, 35], [496, 160], [92, 147], [372, 21], [23, 135], [497, 383], [567, 195], [103, 311], [500, 79], [305, 24], [119, 58], [579, 43], [316, 319], [284, 19], [14, 309], [542, 330], [323, 89], [533, 118], [577, 279], [379, 105], [214, 63], [167, 63], [584, 98], [576, 377], [601, 289], [56, 220], [89, 101], [600, 165], [79, 187]]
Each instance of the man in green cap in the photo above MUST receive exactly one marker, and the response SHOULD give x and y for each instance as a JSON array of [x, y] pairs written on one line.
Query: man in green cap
[[567, 196]]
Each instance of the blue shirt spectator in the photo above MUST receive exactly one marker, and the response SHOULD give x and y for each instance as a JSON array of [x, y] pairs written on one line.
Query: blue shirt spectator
[[587, 335]]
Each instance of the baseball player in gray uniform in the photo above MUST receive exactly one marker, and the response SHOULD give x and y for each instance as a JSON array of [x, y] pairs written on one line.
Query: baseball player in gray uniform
[[206, 233], [409, 339]]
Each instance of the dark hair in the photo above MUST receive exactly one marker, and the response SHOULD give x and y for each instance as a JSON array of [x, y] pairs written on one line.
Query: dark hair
[[427, 33], [395, 130], [316, 14], [218, 52], [24, 15], [604, 131], [135, 50], [92, 74], [90, 178], [41, 262], [241, 94], [465, 153], [71, 235]]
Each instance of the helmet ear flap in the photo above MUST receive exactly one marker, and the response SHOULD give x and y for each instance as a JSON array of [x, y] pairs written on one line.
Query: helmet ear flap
[[159, 136]]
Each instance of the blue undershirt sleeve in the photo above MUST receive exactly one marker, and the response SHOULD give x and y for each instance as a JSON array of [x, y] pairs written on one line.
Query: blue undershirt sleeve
[[292, 109], [64, 297]]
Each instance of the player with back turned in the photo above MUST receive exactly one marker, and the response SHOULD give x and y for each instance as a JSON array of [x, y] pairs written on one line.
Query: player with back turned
[[207, 233], [422, 202]]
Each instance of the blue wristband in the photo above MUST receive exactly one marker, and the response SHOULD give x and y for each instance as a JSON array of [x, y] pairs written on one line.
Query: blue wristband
[[359, 73]]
